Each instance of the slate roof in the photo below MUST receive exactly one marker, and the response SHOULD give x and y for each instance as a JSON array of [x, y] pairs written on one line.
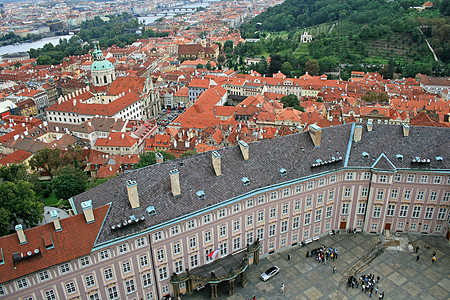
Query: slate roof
[[425, 142], [295, 153]]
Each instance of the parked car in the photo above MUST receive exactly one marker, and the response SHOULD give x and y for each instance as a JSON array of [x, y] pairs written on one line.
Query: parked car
[[272, 271]]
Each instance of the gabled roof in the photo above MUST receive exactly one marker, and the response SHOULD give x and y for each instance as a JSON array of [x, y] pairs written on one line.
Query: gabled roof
[[383, 163], [116, 139], [16, 157], [75, 231]]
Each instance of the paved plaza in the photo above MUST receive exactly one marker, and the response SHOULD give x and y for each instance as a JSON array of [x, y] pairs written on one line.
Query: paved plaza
[[402, 276]]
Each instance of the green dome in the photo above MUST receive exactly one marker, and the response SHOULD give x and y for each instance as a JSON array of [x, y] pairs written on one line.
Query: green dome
[[101, 65]]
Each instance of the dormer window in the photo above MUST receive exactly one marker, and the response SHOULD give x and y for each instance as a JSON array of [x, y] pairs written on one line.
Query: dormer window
[[245, 181], [151, 210], [399, 157], [201, 194], [365, 155], [283, 171]]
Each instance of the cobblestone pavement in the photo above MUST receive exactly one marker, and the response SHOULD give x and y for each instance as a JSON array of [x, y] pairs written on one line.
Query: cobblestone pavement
[[402, 277]]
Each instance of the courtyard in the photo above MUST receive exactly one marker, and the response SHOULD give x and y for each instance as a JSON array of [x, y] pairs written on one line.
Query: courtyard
[[402, 276]]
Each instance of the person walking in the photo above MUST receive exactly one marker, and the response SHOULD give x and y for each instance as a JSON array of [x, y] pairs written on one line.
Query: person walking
[[433, 259], [334, 269], [417, 249], [254, 297], [289, 257], [417, 258], [282, 288]]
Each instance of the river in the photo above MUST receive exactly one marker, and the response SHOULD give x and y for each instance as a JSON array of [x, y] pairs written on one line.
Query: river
[[27, 46], [55, 40]]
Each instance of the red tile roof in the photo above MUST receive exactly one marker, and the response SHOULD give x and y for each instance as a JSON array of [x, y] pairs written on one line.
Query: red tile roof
[[75, 231], [16, 157], [116, 139]]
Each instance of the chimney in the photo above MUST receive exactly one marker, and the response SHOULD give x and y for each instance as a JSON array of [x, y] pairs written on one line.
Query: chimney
[[357, 134], [159, 157], [369, 125], [88, 211], [133, 195], [244, 149], [216, 161], [175, 182], [315, 132], [55, 218], [21, 234], [405, 130]]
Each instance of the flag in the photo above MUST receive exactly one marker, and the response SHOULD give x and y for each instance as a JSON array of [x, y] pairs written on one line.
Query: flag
[[213, 254]]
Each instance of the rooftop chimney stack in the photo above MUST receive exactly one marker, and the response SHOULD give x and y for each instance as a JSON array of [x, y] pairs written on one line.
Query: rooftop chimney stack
[[55, 218], [357, 134], [216, 161], [244, 149], [315, 132], [369, 125], [133, 195], [405, 130], [175, 182], [159, 157], [21, 234], [88, 211]]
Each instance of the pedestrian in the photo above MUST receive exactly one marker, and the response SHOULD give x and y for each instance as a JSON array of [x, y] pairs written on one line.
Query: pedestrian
[[378, 278], [376, 290], [417, 258], [307, 253], [289, 257], [434, 253], [254, 297], [433, 259], [370, 295], [380, 296], [334, 269], [417, 249], [282, 288]]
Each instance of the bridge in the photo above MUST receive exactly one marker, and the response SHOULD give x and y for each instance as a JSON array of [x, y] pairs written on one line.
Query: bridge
[[169, 11]]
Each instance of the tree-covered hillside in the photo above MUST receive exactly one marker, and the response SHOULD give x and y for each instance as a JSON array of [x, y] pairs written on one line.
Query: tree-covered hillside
[[363, 31]]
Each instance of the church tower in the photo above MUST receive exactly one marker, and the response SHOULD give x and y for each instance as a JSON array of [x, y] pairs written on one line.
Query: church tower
[[102, 70]]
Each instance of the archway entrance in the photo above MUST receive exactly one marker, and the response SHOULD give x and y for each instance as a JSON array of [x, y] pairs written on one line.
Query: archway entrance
[[224, 273]]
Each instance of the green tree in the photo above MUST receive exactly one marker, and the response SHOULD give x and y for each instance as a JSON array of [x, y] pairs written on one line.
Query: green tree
[[199, 66], [188, 153], [327, 63], [312, 67], [13, 173], [208, 65], [18, 203], [390, 69], [445, 7], [292, 101], [70, 181], [72, 155], [228, 46], [93, 183], [286, 68], [149, 158], [221, 59], [47, 159]]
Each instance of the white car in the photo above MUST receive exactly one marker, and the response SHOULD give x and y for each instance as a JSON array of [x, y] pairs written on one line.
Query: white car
[[272, 271]]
